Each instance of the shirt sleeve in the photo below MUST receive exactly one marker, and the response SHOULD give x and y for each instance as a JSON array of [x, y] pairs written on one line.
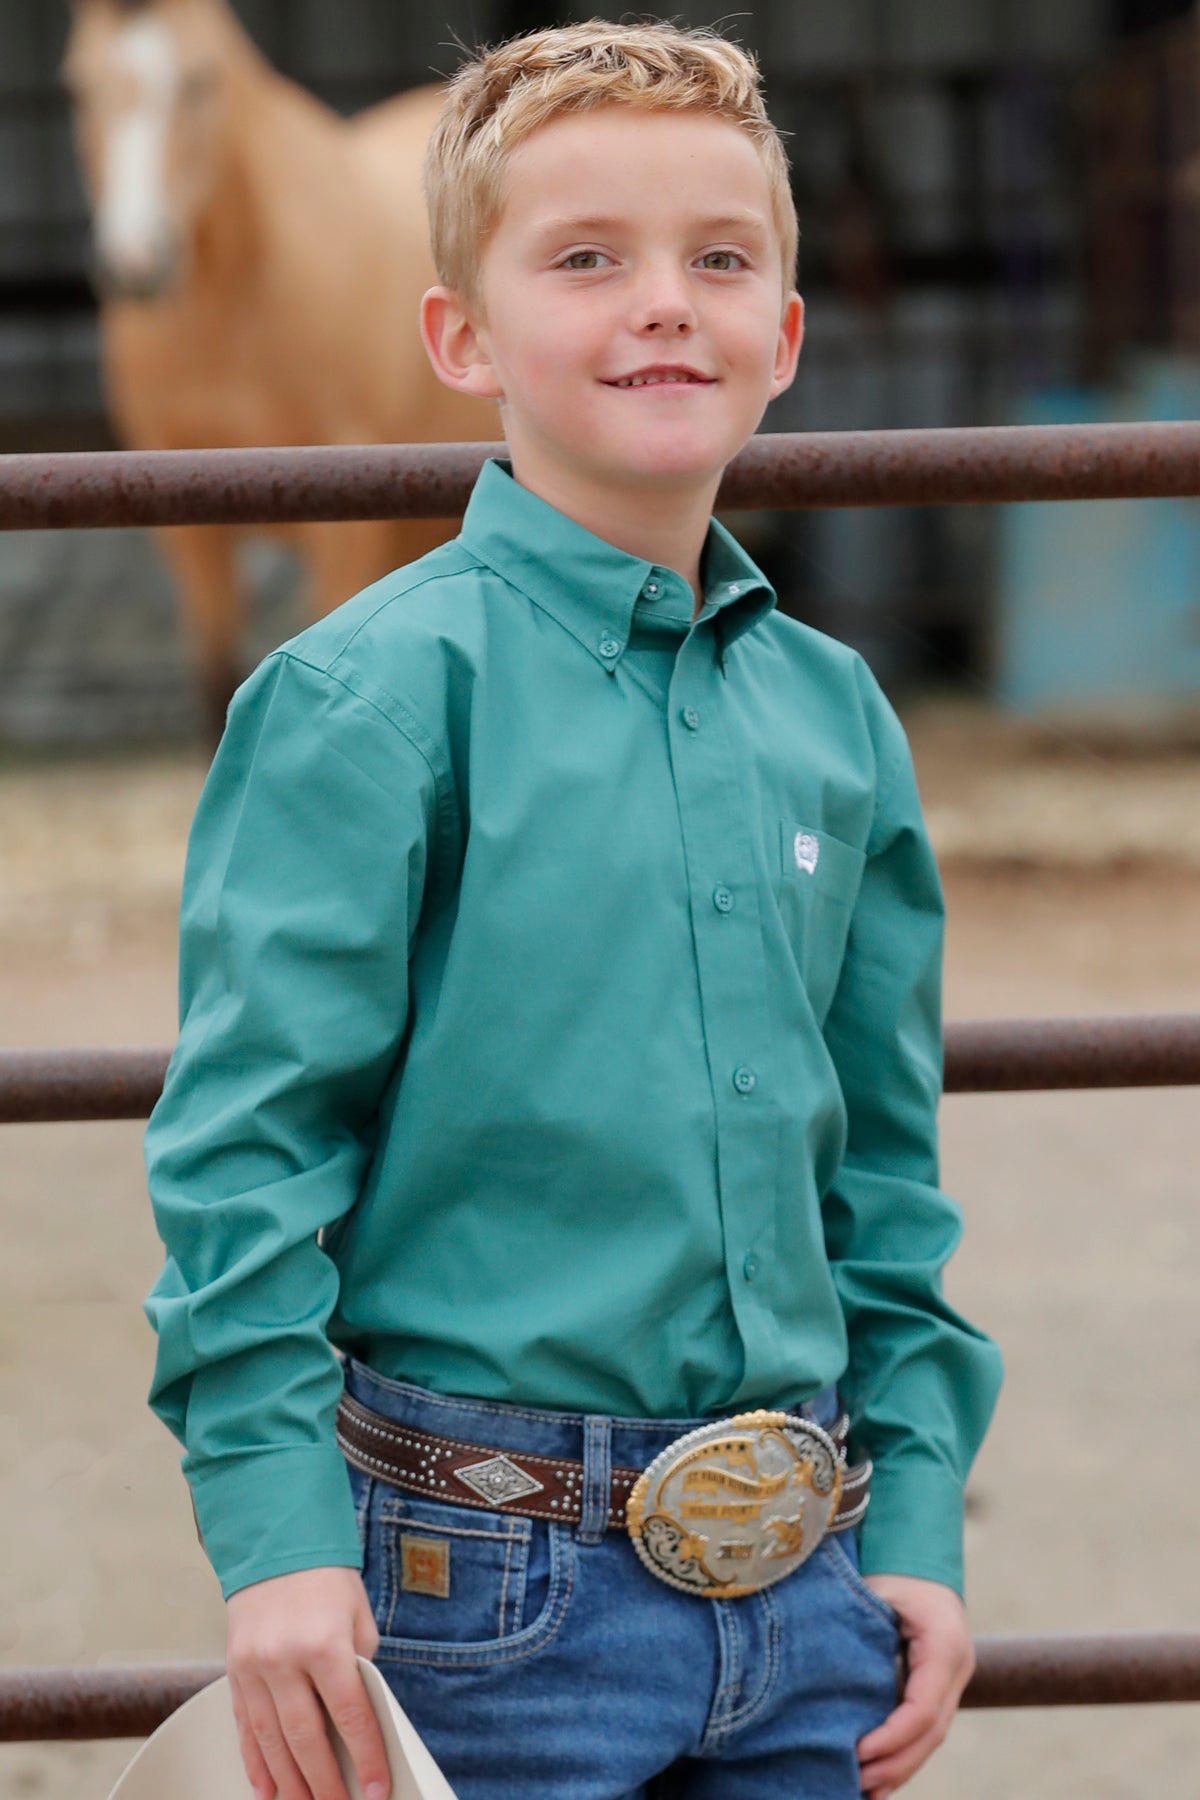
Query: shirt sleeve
[[921, 1382], [305, 870]]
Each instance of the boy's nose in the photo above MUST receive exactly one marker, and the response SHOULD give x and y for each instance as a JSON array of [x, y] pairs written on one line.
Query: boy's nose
[[664, 305], [667, 322], [668, 316]]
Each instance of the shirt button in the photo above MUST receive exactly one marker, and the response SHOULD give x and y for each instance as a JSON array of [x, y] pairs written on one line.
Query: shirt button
[[691, 718], [751, 1266], [610, 647], [744, 1079], [652, 587], [722, 899]]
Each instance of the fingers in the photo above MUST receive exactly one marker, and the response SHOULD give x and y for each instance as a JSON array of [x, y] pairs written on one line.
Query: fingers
[[879, 1781], [257, 1772], [882, 1773], [269, 1763], [895, 1750], [349, 1707], [283, 1731], [913, 1718], [290, 1655]]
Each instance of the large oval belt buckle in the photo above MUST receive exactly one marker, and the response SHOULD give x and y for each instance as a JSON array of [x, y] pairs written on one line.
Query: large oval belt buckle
[[736, 1505]]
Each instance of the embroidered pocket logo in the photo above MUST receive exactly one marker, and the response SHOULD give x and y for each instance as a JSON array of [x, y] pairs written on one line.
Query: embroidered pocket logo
[[807, 851], [425, 1565]]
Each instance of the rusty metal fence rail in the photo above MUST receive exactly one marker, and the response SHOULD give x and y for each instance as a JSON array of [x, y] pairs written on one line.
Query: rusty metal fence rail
[[881, 468], [976, 465], [983, 1056], [1119, 1670]]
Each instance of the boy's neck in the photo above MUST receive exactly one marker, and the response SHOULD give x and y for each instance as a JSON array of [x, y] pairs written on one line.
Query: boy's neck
[[662, 526]]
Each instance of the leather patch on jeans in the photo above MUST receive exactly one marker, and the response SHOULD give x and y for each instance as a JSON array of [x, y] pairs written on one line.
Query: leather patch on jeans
[[425, 1565]]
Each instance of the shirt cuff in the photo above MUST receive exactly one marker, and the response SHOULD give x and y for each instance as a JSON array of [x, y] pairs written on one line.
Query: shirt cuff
[[271, 1512], [913, 1524]]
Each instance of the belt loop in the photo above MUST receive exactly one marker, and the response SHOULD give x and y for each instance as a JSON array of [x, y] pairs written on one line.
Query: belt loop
[[597, 1479]]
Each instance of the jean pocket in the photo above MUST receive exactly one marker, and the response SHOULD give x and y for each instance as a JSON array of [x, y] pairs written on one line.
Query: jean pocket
[[818, 885], [460, 1586], [844, 1557]]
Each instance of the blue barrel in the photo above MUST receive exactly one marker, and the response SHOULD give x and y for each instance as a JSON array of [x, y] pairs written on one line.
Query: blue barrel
[[1098, 601]]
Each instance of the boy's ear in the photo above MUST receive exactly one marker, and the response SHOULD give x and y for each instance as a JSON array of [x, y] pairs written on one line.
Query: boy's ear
[[455, 346], [787, 348]]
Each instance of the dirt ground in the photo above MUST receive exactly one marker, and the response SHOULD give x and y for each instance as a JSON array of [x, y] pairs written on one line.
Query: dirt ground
[[1072, 872]]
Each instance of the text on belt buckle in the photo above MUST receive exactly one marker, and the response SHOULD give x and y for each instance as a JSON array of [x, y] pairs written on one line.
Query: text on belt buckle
[[736, 1505]]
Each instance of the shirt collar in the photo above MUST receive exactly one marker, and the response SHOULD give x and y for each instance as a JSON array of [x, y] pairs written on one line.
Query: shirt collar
[[590, 586]]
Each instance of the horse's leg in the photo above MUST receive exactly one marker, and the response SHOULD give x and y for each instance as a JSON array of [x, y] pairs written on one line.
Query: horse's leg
[[212, 610], [346, 556]]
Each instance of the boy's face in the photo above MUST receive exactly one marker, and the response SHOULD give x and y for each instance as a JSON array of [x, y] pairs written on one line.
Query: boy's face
[[631, 242]]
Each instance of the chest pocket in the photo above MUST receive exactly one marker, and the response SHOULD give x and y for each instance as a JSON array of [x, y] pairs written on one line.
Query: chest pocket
[[818, 885]]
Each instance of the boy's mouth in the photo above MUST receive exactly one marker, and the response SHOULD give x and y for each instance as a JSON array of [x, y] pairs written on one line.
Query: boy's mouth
[[662, 375]]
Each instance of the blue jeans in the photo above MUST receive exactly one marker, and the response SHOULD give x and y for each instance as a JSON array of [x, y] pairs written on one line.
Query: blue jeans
[[556, 1667]]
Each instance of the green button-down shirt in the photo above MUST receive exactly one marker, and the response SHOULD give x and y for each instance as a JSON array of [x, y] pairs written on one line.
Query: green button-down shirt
[[560, 1024]]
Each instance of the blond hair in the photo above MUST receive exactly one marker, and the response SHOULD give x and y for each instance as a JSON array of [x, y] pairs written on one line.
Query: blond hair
[[501, 95]]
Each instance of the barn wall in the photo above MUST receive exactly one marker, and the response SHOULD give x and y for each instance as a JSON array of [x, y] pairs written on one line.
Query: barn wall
[[942, 130], [937, 77]]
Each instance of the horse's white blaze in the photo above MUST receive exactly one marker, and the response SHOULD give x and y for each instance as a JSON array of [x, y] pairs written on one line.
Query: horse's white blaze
[[132, 222]]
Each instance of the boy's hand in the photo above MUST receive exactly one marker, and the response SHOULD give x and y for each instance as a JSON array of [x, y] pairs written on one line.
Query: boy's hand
[[290, 1639], [941, 1661]]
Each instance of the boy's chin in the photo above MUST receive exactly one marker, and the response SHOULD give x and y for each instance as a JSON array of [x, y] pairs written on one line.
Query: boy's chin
[[668, 465]]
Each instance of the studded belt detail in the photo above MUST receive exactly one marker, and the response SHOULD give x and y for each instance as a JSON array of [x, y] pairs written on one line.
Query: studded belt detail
[[539, 1487]]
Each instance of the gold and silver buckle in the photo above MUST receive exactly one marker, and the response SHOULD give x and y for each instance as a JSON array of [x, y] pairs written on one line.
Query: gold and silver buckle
[[737, 1504]]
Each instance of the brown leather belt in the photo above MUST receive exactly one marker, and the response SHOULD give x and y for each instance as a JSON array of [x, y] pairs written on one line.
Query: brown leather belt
[[514, 1481]]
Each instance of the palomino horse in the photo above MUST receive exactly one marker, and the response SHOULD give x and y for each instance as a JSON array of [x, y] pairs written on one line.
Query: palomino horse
[[260, 263]]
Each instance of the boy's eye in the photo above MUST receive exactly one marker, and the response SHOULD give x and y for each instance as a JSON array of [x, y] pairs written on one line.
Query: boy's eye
[[579, 259], [725, 259]]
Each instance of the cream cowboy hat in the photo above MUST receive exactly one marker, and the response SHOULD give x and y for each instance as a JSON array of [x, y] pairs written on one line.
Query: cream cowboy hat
[[195, 1755]]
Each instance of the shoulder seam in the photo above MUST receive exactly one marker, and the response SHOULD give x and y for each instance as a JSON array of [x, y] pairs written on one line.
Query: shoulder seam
[[399, 593], [396, 714]]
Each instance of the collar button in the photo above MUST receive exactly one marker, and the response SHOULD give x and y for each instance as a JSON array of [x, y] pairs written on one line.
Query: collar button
[[609, 647]]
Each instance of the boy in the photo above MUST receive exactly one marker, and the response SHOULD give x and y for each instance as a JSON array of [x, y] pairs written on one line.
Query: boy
[[560, 962]]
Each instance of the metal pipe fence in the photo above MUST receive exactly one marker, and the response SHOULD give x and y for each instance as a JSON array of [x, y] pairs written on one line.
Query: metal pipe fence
[[976, 465], [983, 1056], [881, 468], [1109, 1670]]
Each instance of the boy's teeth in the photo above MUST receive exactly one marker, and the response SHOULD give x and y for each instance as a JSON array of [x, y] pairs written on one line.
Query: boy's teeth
[[641, 380]]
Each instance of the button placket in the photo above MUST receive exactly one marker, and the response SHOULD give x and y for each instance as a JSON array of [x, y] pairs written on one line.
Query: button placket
[[732, 976]]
